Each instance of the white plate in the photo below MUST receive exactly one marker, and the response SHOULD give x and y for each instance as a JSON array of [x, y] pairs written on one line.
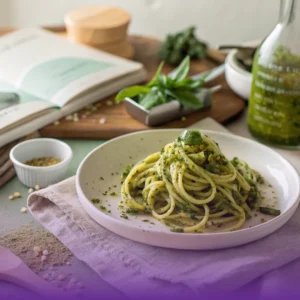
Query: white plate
[[110, 159]]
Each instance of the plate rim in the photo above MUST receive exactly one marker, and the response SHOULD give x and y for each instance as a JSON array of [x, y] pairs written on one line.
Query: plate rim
[[196, 235]]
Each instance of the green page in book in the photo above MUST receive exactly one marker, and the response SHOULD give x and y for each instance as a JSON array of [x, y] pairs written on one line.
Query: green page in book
[[47, 78]]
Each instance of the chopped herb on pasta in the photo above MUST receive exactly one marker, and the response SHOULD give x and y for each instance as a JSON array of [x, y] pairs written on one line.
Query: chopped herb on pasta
[[190, 185]]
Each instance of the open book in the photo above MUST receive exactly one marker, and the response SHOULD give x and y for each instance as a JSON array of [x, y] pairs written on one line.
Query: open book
[[54, 77]]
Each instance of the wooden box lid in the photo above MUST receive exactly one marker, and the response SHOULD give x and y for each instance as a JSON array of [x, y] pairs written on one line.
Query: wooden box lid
[[97, 25], [98, 17]]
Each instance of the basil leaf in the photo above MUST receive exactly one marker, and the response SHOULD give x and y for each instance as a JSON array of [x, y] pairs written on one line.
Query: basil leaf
[[165, 82], [191, 84], [185, 83], [163, 96], [187, 98], [177, 46], [170, 93], [131, 92], [162, 89], [153, 98], [190, 137], [181, 71], [162, 81], [197, 83], [153, 81], [269, 211]]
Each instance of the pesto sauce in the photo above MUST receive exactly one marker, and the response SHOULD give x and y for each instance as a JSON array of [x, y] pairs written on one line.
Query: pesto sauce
[[95, 200], [274, 105]]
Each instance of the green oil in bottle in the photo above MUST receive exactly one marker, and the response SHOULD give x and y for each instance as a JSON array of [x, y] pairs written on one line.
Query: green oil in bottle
[[274, 106]]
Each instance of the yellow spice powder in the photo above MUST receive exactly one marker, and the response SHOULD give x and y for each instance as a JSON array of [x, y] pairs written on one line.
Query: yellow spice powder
[[43, 161]]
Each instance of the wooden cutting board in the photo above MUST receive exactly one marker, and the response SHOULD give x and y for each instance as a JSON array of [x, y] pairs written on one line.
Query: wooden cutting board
[[117, 121]]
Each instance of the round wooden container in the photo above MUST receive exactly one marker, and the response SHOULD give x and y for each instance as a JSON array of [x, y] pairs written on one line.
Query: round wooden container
[[97, 25], [123, 48]]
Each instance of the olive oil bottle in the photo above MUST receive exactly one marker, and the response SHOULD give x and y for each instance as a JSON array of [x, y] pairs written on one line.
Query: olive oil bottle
[[274, 104]]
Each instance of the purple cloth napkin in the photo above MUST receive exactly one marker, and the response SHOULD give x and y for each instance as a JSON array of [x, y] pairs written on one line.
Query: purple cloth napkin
[[137, 269]]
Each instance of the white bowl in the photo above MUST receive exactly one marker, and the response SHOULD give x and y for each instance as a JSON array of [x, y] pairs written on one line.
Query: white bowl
[[42, 176], [238, 79]]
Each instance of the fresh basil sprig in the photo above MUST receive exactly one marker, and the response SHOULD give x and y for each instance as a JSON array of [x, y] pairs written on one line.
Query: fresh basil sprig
[[176, 46], [163, 89]]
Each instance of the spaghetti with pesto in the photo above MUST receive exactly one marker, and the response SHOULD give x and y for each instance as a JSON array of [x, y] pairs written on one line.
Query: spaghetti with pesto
[[191, 186]]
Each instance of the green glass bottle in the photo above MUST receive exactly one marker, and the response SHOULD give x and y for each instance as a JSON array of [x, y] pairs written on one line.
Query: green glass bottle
[[274, 104]]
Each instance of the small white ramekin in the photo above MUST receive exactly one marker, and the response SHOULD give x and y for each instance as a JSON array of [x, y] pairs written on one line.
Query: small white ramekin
[[238, 79], [36, 148]]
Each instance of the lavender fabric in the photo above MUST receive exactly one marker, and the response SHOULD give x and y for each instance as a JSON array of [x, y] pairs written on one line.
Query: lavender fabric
[[269, 266]]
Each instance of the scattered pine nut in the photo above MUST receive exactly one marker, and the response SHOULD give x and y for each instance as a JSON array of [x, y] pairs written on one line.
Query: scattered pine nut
[[73, 281], [37, 187], [37, 249], [61, 277], [17, 195], [56, 123], [102, 120], [23, 210], [43, 258], [10, 197], [30, 191], [69, 118]]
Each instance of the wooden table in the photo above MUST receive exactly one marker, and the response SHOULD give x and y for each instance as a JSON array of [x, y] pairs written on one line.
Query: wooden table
[[225, 104]]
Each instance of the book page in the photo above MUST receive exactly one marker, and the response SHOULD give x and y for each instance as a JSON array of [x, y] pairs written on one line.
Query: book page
[[28, 106], [54, 69], [72, 107]]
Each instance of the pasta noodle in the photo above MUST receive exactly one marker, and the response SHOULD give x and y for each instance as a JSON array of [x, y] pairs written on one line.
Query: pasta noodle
[[191, 186]]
